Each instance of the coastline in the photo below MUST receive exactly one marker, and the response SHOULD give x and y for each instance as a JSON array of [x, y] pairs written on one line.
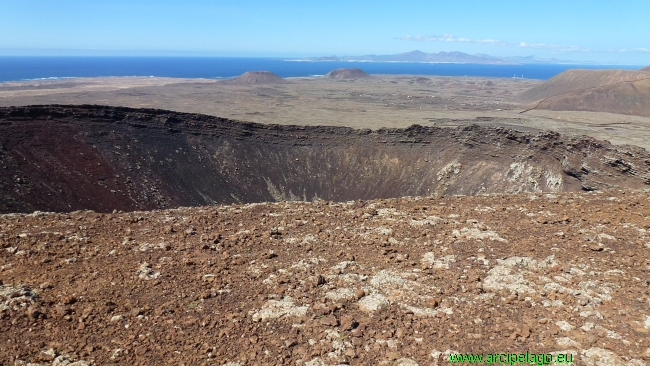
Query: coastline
[[53, 68]]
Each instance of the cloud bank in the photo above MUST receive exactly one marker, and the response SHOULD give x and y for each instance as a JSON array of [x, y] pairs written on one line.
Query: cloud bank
[[494, 42]]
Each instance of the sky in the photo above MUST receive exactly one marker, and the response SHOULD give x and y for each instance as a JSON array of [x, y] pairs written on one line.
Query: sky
[[591, 31]]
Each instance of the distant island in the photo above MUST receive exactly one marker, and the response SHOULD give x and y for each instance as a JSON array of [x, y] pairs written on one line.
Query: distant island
[[440, 57]]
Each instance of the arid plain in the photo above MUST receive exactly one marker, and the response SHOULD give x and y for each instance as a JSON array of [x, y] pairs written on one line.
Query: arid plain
[[371, 102]]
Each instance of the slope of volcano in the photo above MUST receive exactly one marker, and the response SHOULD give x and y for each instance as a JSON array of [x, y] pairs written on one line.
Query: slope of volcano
[[256, 77], [631, 98], [64, 158], [353, 73], [611, 91], [579, 79]]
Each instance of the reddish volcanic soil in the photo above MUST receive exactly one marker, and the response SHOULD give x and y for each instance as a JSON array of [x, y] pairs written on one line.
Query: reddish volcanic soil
[[383, 282]]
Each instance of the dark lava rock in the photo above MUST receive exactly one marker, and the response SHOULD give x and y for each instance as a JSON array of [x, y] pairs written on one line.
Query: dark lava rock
[[67, 158]]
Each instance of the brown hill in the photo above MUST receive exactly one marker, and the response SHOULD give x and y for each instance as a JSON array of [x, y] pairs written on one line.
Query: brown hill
[[353, 73], [578, 79], [256, 77], [611, 91], [645, 69], [65, 158], [631, 98]]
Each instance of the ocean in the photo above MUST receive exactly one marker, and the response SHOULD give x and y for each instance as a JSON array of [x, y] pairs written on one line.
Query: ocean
[[30, 68]]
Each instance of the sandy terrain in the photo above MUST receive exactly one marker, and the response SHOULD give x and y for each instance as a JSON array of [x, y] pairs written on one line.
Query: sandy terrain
[[378, 101]]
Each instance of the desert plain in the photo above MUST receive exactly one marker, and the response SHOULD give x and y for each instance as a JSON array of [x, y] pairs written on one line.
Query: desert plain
[[370, 102]]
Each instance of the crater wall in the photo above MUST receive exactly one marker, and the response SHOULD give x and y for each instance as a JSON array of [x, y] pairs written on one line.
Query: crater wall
[[65, 158]]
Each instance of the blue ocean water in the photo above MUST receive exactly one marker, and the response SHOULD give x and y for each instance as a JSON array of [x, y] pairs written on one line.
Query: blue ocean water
[[26, 68]]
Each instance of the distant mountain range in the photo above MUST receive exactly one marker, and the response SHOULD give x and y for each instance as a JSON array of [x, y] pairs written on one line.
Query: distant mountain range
[[441, 57]]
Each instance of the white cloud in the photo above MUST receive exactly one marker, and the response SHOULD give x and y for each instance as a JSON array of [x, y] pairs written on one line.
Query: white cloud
[[633, 50], [494, 42], [446, 38]]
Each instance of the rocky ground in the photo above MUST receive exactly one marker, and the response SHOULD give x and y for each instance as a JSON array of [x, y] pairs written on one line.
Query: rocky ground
[[395, 282]]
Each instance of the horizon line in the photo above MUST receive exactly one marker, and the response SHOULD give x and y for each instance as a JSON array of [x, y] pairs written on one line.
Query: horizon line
[[62, 52]]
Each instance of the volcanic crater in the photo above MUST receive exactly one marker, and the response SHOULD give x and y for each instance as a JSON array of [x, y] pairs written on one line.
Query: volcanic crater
[[351, 278], [66, 158]]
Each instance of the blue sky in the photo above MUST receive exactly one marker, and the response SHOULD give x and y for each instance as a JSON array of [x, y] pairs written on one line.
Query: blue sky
[[595, 30]]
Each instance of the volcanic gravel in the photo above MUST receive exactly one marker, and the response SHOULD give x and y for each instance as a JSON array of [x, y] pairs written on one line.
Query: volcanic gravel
[[385, 282]]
